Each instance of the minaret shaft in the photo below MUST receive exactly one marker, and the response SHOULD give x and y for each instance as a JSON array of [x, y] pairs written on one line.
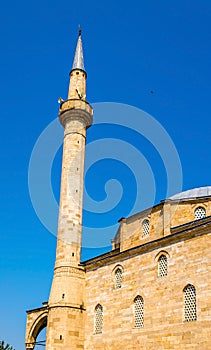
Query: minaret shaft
[[65, 326], [71, 195]]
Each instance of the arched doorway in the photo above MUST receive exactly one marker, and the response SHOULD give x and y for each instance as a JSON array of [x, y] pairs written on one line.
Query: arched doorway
[[35, 329]]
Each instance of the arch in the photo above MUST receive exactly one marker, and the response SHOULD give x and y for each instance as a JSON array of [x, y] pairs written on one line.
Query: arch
[[37, 325], [161, 252], [118, 266]]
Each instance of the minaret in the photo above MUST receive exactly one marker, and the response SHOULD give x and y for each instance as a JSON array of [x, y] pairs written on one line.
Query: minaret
[[66, 306]]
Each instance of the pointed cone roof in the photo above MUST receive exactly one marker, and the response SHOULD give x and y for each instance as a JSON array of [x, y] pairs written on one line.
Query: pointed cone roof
[[78, 62]]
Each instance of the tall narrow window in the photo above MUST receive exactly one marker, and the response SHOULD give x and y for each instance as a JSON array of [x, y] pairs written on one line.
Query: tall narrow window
[[145, 227], [190, 303], [162, 266], [98, 319], [138, 312], [118, 278], [199, 213]]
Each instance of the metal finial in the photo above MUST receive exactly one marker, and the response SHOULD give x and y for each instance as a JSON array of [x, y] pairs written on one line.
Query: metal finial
[[78, 62], [79, 30]]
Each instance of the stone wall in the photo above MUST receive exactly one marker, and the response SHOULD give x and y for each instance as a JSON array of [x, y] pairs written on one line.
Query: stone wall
[[189, 262]]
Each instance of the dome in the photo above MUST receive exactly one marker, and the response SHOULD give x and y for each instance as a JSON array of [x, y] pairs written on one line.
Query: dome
[[194, 193]]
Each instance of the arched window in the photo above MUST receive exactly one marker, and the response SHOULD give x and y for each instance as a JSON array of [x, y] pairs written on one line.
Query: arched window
[[162, 266], [138, 312], [199, 213], [98, 319], [145, 227], [118, 278], [189, 303]]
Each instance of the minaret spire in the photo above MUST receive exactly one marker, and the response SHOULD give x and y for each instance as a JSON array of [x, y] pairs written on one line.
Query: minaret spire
[[77, 86], [78, 62]]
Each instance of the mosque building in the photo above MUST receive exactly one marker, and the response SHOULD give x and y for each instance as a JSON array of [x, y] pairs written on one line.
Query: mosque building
[[152, 290]]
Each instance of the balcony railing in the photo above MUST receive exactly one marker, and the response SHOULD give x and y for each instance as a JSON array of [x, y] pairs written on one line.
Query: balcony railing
[[76, 104]]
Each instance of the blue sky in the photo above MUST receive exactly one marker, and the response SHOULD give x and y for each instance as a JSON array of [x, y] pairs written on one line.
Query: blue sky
[[148, 54]]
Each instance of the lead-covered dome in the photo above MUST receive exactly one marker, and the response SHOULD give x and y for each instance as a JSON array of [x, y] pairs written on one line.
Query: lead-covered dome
[[193, 193]]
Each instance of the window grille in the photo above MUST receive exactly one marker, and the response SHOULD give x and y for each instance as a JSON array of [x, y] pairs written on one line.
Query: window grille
[[162, 266], [190, 303], [199, 213], [145, 227], [138, 312], [98, 319], [118, 277]]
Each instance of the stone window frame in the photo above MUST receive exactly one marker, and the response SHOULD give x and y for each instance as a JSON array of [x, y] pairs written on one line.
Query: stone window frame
[[98, 319], [138, 314], [197, 207], [114, 275], [145, 234], [189, 308], [157, 260]]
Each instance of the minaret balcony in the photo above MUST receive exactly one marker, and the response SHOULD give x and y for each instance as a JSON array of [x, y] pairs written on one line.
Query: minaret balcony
[[76, 103], [76, 109]]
